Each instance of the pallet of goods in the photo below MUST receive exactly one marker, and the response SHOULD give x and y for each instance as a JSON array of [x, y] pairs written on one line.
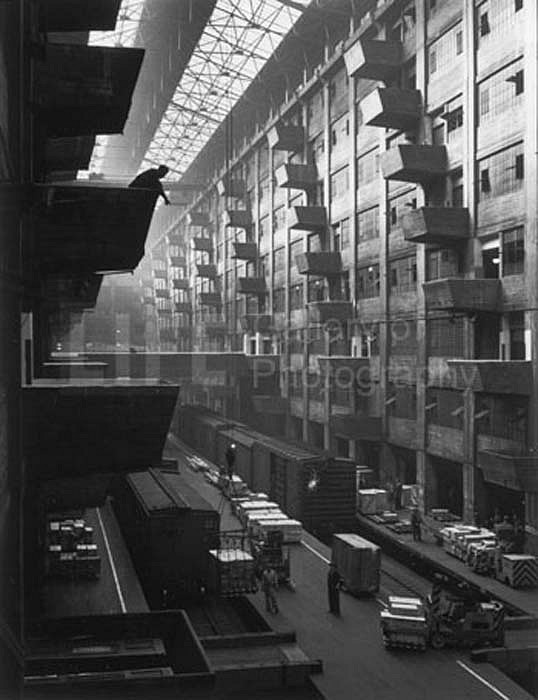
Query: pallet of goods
[[292, 530], [231, 572], [371, 501], [70, 550], [404, 623]]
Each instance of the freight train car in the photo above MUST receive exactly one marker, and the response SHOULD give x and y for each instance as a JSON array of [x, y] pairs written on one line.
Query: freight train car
[[199, 428], [309, 485], [169, 529]]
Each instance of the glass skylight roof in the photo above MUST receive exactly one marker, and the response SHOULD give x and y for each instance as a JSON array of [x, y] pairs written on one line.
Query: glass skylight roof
[[237, 41]]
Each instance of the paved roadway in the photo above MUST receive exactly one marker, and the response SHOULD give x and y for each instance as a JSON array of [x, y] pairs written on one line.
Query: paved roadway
[[356, 664]]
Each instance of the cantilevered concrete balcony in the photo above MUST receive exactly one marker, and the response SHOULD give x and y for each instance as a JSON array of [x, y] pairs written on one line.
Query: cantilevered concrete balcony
[[162, 293], [178, 261], [181, 283], [356, 427], [297, 176], [307, 218], [90, 416], [256, 323], [228, 187], [454, 293], [323, 264], [245, 251], [251, 285], [174, 239], [373, 59], [164, 311], [160, 274], [206, 271], [199, 218], [238, 218], [77, 291], [411, 163], [392, 108], [78, 15], [203, 244], [491, 376], [516, 472], [66, 155], [284, 137], [210, 299], [327, 311], [85, 89], [439, 225], [183, 307], [90, 229]]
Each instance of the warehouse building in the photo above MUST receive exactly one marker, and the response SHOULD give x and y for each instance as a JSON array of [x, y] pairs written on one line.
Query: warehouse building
[[368, 212]]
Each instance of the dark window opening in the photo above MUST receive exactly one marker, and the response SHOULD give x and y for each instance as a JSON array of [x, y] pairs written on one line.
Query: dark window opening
[[484, 24]]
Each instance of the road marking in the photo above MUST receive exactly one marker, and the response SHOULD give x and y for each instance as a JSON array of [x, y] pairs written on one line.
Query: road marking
[[314, 551], [112, 565], [483, 680]]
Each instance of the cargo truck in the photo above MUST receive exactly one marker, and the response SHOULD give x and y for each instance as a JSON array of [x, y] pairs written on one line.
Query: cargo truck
[[358, 562]]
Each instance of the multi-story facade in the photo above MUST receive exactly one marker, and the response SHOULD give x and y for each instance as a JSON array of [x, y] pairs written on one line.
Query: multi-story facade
[[369, 213]]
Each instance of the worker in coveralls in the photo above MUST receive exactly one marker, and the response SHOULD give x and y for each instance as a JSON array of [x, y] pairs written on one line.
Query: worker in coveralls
[[151, 180], [415, 525], [334, 582], [269, 586]]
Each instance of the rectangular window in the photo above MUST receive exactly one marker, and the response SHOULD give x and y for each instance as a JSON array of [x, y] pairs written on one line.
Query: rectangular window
[[296, 297], [296, 248], [339, 183], [513, 251], [403, 275], [501, 92], [518, 5], [459, 42], [443, 51], [368, 167], [516, 323], [368, 282], [501, 173], [279, 260], [445, 337], [368, 224], [279, 300], [484, 24]]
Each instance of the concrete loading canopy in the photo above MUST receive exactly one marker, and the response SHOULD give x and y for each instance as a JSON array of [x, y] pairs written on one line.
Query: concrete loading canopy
[[79, 430]]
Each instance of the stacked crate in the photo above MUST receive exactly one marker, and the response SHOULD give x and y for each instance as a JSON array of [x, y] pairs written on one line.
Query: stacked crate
[[231, 572], [70, 550], [372, 501]]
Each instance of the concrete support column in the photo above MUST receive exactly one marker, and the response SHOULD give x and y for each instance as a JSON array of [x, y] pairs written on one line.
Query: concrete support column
[[530, 64], [422, 361], [469, 455]]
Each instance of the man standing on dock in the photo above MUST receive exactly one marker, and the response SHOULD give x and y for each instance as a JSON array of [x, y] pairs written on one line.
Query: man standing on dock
[[334, 582], [269, 586]]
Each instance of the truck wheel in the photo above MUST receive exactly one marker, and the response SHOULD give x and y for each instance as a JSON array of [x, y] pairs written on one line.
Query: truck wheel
[[437, 640]]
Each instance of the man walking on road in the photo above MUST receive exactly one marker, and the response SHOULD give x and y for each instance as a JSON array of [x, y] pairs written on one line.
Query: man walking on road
[[269, 586], [333, 587]]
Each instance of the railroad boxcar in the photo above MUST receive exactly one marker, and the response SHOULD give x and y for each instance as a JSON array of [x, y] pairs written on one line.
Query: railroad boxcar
[[169, 529]]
